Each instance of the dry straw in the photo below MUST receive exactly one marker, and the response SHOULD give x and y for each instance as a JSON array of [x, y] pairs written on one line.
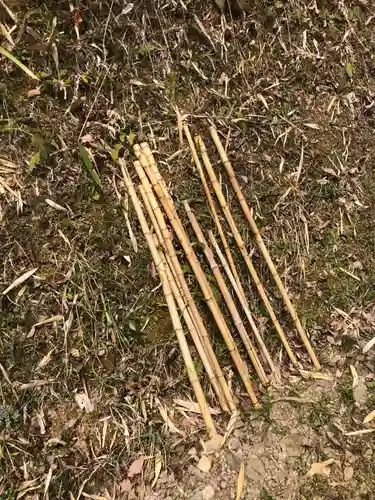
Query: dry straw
[[182, 236], [194, 380], [261, 245], [223, 392]]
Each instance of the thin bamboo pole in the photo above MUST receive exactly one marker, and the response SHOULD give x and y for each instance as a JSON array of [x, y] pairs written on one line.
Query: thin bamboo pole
[[201, 278], [213, 211], [194, 380], [182, 305], [241, 245], [228, 300], [262, 246], [179, 276], [241, 298]]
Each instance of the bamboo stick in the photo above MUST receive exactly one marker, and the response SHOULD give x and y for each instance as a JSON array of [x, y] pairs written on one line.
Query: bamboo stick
[[201, 278], [241, 298], [179, 275], [194, 380], [262, 246], [182, 304], [211, 204], [241, 245], [228, 300]]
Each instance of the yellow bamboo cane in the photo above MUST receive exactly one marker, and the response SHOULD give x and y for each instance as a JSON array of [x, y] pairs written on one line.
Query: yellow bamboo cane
[[201, 278], [194, 380], [241, 245], [262, 246], [229, 301], [179, 275], [197, 339]]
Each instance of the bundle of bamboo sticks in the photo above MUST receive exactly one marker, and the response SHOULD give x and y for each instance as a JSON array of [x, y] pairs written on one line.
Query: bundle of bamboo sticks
[[159, 208]]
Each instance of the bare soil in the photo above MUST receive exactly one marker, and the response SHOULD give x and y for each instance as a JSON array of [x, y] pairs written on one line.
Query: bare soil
[[291, 85]]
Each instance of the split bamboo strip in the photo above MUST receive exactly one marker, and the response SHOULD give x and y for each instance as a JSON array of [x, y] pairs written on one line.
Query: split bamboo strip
[[182, 305], [241, 244], [211, 204], [262, 246], [201, 278], [180, 278], [228, 299], [172, 307], [243, 300]]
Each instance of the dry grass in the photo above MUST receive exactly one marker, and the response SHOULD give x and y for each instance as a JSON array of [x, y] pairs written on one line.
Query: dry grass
[[292, 86]]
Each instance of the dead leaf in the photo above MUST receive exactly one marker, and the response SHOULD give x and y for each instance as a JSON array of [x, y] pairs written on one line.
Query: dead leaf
[[369, 417], [168, 421], [204, 464], [125, 486], [46, 321], [320, 468], [316, 376], [33, 384], [20, 280], [360, 392], [314, 126], [360, 432], [45, 360], [158, 465], [136, 467], [213, 445], [83, 401], [369, 345], [33, 92], [240, 482], [348, 473], [355, 377]]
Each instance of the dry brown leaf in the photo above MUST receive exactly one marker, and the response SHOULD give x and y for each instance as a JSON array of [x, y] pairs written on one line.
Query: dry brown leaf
[[83, 401], [369, 417], [354, 376], [158, 465], [213, 445], [20, 280], [136, 467], [168, 421], [46, 321], [369, 345], [240, 482], [45, 360], [125, 485], [33, 92], [320, 468], [348, 473], [204, 464], [316, 376], [360, 432]]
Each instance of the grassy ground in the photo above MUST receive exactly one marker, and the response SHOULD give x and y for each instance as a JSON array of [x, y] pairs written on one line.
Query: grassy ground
[[292, 85]]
